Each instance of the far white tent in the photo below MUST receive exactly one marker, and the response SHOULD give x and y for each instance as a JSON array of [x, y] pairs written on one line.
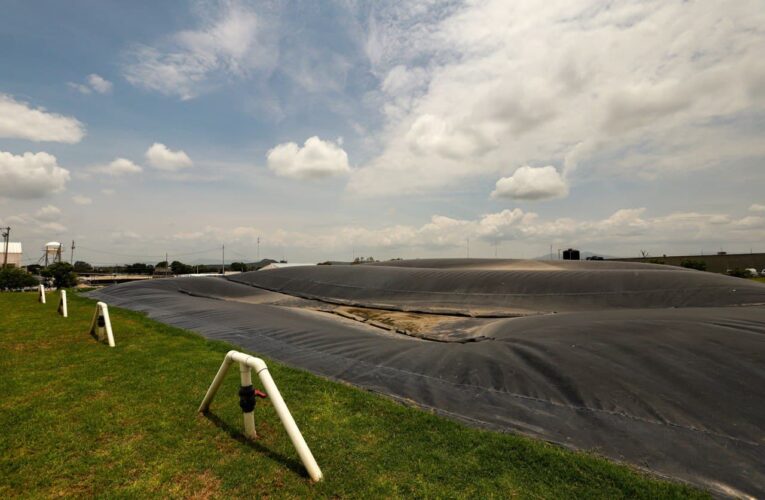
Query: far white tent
[[280, 265]]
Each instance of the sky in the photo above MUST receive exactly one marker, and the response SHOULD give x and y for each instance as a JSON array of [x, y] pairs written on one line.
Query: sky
[[336, 129]]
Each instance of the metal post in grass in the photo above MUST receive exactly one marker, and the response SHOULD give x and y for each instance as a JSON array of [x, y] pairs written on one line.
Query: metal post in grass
[[62, 309], [247, 395], [41, 294], [101, 326]]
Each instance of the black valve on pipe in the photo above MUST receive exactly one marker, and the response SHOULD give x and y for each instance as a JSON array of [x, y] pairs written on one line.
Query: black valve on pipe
[[247, 398]]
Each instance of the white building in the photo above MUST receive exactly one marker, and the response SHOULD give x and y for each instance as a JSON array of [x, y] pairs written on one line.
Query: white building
[[14, 253], [281, 265]]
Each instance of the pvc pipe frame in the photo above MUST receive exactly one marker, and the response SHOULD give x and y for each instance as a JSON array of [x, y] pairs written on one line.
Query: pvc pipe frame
[[102, 310], [246, 363], [62, 309], [41, 294]]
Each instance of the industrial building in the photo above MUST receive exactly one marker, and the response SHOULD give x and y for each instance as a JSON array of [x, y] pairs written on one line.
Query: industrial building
[[14, 254]]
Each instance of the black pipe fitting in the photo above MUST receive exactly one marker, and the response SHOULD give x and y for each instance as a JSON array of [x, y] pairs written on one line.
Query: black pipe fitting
[[247, 398]]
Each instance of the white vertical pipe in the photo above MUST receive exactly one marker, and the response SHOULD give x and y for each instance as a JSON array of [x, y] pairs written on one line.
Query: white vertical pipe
[[62, 305], [217, 381], [41, 298], [249, 417], [107, 323]]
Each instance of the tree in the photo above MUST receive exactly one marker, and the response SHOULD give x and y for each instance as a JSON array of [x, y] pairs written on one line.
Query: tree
[[139, 268], [14, 278], [694, 264], [82, 267], [62, 273], [161, 264], [180, 268], [238, 266], [361, 260]]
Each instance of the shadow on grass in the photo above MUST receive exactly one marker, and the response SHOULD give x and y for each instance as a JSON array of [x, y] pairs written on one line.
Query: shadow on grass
[[290, 463]]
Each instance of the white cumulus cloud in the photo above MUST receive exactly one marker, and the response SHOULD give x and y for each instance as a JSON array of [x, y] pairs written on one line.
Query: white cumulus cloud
[[99, 84], [31, 175], [159, 156], [118, 167], [229, 43], [45, 220], [20, 121], [48, 213], [530, 183], [622, 90], [316, 159], [82, 200], [755, 207], [94, 83]]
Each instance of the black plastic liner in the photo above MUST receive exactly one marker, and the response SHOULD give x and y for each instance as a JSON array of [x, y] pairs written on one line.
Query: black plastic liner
[[679, 391], [579, 286]]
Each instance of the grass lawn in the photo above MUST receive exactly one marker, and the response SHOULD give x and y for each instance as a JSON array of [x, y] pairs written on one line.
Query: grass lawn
[[80, 419], [761, 280]]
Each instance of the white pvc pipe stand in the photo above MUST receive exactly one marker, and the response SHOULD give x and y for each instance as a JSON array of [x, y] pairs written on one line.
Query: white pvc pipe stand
[[62, 310], [41, 294], [102, 310], [246, 363]]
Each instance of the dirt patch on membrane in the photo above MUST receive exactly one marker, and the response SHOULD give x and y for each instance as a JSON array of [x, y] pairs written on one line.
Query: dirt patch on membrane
[[436, 327]]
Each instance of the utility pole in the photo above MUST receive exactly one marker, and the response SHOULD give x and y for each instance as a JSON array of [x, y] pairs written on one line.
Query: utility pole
[[223, 259], [71, 255], [7, 239], [258, 249], [167, 265]]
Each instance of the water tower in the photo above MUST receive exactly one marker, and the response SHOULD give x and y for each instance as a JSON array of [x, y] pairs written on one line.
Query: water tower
[[52, 252]]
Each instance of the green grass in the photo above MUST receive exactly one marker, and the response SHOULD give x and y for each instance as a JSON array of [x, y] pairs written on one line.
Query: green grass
[[81, 419], [761, 280]]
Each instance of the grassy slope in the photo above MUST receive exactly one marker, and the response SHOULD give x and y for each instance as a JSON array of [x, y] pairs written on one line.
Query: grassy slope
[[79, 418]]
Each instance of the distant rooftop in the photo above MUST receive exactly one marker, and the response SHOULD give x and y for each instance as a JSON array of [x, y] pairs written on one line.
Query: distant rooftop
[[13, 247]]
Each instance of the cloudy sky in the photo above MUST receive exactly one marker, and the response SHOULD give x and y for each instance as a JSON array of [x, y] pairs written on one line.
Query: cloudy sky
[[393, 129]]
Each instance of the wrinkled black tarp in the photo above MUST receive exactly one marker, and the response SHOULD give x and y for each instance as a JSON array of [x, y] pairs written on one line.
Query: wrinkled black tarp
[[678, 390], [525, 291]]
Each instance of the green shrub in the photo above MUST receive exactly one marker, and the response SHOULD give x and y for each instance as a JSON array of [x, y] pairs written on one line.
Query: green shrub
[[739, 273], [694, 264], [14, 278]]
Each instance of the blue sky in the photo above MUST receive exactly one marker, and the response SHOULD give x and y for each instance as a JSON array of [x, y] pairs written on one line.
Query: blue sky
[[333, 129]]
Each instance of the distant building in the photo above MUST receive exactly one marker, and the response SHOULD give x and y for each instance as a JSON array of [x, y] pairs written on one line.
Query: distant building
[[279, 265], [14, 253]]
